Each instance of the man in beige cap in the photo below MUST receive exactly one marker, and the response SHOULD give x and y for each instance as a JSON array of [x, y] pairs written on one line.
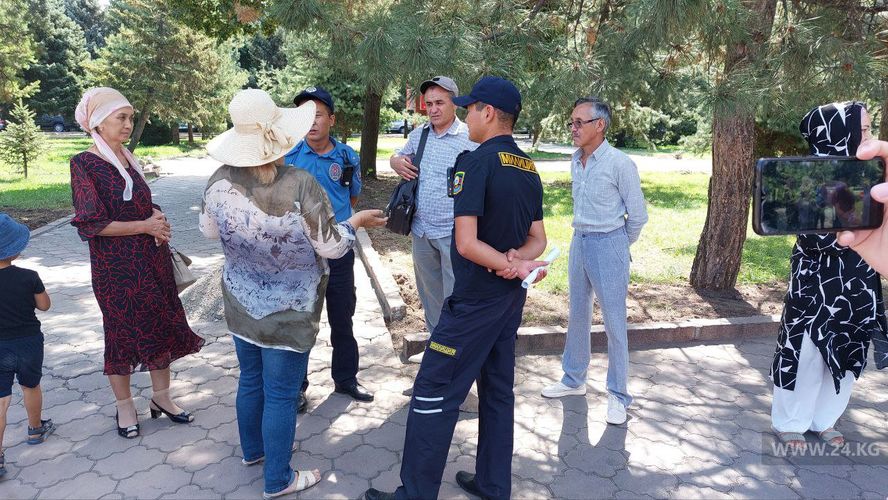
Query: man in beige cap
[[446, 137]]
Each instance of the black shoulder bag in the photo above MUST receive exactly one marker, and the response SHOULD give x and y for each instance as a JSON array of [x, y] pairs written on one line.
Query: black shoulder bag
[[402, 205]]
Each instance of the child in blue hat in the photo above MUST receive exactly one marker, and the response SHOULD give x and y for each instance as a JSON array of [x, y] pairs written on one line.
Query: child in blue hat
[[21, 340]]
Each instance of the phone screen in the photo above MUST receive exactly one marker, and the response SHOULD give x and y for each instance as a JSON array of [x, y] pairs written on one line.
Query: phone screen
[[816, 194]]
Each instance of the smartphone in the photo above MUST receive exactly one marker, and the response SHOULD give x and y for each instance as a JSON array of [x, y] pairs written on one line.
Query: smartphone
[[815, 194]]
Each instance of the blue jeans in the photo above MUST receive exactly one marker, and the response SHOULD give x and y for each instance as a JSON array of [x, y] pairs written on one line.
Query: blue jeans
[[598, 266], [434, 275], [267, 393]]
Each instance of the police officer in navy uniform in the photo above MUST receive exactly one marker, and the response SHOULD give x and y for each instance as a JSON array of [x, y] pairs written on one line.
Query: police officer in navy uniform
[[336, 167], [498, 226]]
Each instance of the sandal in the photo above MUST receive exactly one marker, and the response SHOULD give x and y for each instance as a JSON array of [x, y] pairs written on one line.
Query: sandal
[[832, 436], [793, 439], [304, 479], [39, 435], [130, 432]]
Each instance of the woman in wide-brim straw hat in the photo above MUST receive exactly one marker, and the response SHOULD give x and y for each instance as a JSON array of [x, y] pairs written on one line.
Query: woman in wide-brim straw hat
[[132, 273], [277, 228]]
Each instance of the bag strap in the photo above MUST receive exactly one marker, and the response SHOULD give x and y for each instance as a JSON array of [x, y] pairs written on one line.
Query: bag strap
[[417, 158]]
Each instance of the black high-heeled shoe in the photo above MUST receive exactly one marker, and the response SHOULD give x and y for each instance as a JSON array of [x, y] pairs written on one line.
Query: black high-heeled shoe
[[130, 432], [182, 418]]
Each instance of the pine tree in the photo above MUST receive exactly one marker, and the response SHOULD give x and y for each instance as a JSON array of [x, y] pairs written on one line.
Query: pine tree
[[22, 142], [16, 49], [90, 16], [61, 53]]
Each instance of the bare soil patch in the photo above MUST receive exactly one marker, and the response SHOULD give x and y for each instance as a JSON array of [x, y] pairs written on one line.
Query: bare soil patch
[[36, 217], [647, 303]]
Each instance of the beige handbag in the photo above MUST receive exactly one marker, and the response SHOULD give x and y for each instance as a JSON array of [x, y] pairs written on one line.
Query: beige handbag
[[183, 276]]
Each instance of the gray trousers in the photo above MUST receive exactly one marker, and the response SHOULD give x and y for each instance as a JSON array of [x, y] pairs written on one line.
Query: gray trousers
[[434, 275]]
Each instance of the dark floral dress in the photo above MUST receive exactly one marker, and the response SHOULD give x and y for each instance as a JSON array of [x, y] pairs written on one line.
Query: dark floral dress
[[145, 325]]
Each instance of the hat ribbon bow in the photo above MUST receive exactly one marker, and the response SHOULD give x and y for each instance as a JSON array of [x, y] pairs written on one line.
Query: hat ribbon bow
[[274, 138]]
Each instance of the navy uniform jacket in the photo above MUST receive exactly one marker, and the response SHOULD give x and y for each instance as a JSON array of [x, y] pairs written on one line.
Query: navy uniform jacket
[[499, 184]]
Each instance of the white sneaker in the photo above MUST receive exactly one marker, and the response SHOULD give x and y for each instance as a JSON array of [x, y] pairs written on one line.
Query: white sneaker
[[616, 412], [558, 389]]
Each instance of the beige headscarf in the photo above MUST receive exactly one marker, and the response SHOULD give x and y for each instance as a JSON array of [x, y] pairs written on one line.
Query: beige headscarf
[[97, 104]]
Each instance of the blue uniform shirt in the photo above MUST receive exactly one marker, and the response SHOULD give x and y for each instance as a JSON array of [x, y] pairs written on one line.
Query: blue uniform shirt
[[327, 169], [499, 184]]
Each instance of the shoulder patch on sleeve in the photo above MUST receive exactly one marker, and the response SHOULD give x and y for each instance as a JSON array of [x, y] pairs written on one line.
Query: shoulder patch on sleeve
[[519, 162], [458, 180]]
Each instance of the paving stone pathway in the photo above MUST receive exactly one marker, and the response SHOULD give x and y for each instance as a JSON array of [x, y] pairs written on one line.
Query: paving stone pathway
[[696, 429]]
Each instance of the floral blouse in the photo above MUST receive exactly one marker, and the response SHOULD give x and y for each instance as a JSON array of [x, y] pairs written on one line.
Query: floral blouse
[[276, 238]]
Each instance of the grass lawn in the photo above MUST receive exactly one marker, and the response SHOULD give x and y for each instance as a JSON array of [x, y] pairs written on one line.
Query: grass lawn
[[665, 252], [48, 182]]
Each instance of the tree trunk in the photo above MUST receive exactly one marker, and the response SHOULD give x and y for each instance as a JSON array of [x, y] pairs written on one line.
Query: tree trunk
[[190, 134], [174, 134], [883, 118], [370, 133], [140, 127], [717, 262], [25, 165]]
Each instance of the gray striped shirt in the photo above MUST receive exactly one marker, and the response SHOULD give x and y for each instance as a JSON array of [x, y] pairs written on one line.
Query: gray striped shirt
[[434, 209], [607, 193]]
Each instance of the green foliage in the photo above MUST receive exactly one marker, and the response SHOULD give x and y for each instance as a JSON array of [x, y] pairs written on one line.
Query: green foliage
[[166, 69], [261, 53], [22, 141], [16, 50], [223, 20], [61, 53], [309, 64], [90, 16], [157, 133]]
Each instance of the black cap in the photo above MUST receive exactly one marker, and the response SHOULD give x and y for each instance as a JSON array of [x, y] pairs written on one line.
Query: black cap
[[315, 93], [498, 92]]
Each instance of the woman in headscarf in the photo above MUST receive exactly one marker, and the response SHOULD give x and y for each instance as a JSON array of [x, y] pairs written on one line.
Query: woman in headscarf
[[277, 229], [833, 307], [132, 273]]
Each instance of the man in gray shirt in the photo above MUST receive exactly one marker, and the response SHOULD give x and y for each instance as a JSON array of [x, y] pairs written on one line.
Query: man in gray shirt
[[433, 222], [609, 212]]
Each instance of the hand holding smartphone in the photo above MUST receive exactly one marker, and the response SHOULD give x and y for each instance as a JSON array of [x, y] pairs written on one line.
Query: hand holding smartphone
[[817, 194]]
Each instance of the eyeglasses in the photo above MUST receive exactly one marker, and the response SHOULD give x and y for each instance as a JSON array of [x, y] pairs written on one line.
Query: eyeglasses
[[579, 123]]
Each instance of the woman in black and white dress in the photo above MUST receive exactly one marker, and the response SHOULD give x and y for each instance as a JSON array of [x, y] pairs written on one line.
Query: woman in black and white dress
[[833, 307]]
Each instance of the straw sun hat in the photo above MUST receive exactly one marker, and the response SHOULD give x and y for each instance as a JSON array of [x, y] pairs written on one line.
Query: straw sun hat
[[262, 132]]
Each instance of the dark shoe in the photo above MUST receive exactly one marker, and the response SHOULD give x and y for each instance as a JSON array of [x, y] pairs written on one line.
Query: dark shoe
[[374, 494], [466, 481], [303, 403], [355, 390], [182, 418], [38, 435], [130, 432]]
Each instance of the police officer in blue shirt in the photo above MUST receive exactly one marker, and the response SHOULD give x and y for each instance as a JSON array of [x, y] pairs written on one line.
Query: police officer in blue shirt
[[498, 226], [336, 167]]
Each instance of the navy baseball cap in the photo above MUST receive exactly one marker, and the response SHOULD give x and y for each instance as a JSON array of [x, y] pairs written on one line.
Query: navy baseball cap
[[315, 92], [498, 92]]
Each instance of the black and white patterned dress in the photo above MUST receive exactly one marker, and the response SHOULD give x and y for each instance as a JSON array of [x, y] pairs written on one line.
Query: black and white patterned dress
[[834, 297]]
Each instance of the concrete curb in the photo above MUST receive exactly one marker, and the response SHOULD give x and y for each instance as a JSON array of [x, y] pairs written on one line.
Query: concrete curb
[[550, 339], [387, 291]]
